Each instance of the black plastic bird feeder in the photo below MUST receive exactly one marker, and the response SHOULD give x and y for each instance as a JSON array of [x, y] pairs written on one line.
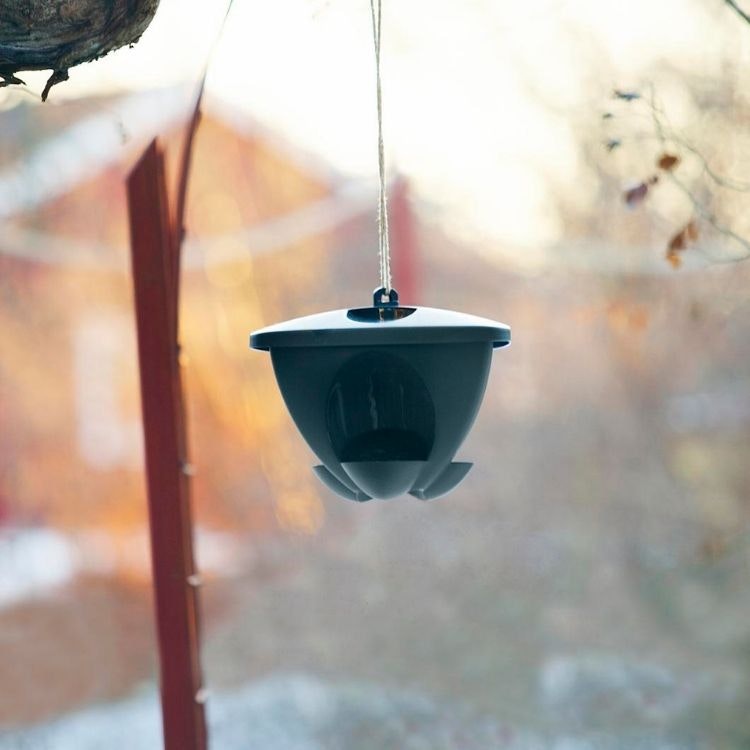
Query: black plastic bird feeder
[[384, 395]]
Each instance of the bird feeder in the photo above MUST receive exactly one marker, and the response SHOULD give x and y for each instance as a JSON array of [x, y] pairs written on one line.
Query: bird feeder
[[384, 395]]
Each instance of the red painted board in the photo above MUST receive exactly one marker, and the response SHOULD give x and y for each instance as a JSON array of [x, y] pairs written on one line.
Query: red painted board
[[170, 521]]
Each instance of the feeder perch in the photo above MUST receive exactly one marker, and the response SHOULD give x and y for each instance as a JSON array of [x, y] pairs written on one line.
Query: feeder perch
[[384, 395]]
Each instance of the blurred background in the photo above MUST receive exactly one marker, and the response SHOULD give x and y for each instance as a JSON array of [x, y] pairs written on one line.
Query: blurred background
[[576, 169]]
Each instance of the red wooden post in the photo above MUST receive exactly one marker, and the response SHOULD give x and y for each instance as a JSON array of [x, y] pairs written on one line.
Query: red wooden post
[[155, 258], [404, 251]]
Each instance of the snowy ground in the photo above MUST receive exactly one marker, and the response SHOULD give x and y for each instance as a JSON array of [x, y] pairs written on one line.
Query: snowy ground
[[305, 713], [33, 561], [340, 625]]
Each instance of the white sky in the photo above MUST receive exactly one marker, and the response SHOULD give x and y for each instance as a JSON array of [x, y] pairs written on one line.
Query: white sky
[[483, 98]]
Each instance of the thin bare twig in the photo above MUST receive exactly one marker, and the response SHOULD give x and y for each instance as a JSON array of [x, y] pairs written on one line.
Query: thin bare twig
[[736, 8], [698, 206]]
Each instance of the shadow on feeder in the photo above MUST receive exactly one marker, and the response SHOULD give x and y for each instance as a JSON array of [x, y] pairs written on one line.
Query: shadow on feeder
[[384, 395]]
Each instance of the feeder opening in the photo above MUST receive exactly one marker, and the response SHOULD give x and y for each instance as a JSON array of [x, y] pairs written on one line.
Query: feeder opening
[[379, 314], [379, 409]]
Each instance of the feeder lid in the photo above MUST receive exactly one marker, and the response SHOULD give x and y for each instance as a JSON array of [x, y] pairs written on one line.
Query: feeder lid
[[385, 323]]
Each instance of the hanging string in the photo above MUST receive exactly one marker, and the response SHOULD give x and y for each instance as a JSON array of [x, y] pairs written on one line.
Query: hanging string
[[384, 250]]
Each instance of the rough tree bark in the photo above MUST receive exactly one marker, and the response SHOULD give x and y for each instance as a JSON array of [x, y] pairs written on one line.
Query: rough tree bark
[[58, 34]]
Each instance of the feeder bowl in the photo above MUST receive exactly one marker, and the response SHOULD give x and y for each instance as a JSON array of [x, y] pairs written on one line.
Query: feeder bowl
[[384, 395]]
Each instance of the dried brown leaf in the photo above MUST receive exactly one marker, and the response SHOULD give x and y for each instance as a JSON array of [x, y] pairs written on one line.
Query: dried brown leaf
[[678, 241], [667, 162], [635, 195], [674, 258], [628, 96]]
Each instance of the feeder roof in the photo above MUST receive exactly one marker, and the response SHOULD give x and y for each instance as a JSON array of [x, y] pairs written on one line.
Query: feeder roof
[[381, 326]]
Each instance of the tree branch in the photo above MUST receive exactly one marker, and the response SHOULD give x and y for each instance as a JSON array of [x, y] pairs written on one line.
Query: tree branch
[[736, 8], [698, 206]]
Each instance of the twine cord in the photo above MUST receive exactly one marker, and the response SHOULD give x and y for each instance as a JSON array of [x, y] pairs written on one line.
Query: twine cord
[[384, 250]]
